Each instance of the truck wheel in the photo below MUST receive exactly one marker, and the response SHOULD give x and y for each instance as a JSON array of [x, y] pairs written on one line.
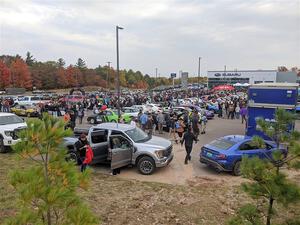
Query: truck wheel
[[237, 169], [72, 157], [92, 121], [146, 165], [2, 147]]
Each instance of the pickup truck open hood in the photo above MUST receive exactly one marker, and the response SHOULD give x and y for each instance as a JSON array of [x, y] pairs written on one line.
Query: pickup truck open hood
[[11, 127]]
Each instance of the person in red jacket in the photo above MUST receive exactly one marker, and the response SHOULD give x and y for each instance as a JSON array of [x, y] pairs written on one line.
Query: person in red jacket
[[89, 155]]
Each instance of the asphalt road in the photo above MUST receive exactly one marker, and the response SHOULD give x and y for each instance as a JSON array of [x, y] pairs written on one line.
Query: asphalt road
[[179, 173]]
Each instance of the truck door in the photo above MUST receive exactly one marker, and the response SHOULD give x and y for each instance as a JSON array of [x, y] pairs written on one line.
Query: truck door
[[99, 144], [121, 151]]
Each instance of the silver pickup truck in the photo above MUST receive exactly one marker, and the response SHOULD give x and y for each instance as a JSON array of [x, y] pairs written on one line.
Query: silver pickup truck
[[123, 145]]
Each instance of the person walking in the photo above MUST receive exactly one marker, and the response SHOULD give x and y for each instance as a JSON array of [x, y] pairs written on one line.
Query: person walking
[[173, 128], [180, 127], [149, 125], [244, 113], [80, 114], [195, 123], [237, 111], [160, 122], [143, 120], [188, 139]]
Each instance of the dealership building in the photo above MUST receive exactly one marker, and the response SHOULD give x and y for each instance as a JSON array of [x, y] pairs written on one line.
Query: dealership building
[[216, 78]]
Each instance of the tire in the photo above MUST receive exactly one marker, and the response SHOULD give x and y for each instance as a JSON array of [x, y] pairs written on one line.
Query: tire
[[92, 121], [2, 147], [237, 169], [72, 157], [146, 165]]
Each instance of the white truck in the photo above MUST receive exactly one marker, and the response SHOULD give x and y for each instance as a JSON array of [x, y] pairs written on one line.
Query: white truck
[[10, 125]]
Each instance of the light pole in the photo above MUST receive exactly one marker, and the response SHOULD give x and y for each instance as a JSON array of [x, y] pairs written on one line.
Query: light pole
[[199, 73], [118, 74], [107, 76]]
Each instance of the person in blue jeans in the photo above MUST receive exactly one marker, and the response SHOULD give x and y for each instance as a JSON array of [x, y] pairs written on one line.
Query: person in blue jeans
[[144, 120]]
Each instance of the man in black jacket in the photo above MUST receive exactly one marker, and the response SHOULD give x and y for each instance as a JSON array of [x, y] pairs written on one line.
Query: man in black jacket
[[188, 139], [80, 148]]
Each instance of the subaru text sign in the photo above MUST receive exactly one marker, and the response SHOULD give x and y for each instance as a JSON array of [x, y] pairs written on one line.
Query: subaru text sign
[[228, 74], [173, 75]]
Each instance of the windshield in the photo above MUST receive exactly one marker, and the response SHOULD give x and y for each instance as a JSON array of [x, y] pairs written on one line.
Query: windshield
[[222, 144], [4, 120], [137, 135]]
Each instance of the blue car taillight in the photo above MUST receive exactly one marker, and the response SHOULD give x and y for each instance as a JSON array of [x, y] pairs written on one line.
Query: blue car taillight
[[221, 156]]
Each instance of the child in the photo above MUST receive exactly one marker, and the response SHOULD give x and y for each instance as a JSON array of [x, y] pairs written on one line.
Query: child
[[203, 124], [89, 155]]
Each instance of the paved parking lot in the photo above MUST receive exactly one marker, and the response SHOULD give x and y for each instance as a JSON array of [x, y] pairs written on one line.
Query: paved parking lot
[[177, 172]]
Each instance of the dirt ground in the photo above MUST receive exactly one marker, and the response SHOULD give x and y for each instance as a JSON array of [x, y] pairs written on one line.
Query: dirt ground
[[177, 194], [179, 173]]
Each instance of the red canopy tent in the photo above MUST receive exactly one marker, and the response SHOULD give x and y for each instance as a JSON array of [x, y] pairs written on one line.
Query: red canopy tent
[[223, 88]]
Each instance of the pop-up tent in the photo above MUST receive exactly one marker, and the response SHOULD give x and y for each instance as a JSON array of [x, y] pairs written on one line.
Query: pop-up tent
[[223, 88]]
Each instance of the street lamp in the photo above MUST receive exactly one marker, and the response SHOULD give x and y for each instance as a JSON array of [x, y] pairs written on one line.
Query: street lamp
[[107, 76], [199, 73], [118, 74], [199, 77]]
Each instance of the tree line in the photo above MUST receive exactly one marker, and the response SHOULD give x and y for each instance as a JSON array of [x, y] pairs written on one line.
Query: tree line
[[29, 73]]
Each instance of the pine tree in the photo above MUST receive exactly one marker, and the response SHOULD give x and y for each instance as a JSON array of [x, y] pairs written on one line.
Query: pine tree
[[47, 188], [61, 62], [268, 181], [29, 59]]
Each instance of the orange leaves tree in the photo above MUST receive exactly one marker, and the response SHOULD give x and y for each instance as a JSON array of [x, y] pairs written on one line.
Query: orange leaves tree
[[47, 188], [20, 74], [4, 75]]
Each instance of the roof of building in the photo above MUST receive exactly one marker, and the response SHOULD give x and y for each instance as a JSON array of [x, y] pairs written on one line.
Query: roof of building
[[276, 85]]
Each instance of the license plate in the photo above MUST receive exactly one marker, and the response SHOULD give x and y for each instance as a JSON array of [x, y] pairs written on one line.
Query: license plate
[[208, 154]]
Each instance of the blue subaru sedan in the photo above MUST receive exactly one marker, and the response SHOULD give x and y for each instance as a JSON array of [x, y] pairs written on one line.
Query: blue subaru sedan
[[225, 153]]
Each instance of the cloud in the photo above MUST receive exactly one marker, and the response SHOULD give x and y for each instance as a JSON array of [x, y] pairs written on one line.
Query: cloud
[[168, 34]]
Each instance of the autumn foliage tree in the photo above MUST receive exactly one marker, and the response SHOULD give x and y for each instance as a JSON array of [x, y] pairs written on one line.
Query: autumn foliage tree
[[5, 77], [20, 74]]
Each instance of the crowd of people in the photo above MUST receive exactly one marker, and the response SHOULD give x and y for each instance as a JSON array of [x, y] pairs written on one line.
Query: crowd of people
[[184, 128]]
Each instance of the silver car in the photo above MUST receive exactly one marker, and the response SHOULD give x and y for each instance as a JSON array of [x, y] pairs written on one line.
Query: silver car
[[123, 145]]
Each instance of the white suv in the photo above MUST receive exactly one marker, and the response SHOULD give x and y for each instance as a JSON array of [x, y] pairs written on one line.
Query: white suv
[[28, 100], [10, 125]]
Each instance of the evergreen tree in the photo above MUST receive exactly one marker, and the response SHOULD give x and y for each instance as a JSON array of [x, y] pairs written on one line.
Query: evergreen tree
[[47, 189], [61, 62], [268, 181], [80, 63], [29, 59]]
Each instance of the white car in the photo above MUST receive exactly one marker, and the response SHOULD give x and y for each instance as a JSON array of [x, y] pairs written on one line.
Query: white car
[[131, 111], [10, 125], [28, 100], [152, 108]]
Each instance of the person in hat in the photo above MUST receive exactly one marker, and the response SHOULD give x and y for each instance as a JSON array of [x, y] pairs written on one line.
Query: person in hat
[[80, 147]]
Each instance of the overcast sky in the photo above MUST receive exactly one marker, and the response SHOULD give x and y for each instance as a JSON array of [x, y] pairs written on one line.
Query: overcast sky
[[167, 34]]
